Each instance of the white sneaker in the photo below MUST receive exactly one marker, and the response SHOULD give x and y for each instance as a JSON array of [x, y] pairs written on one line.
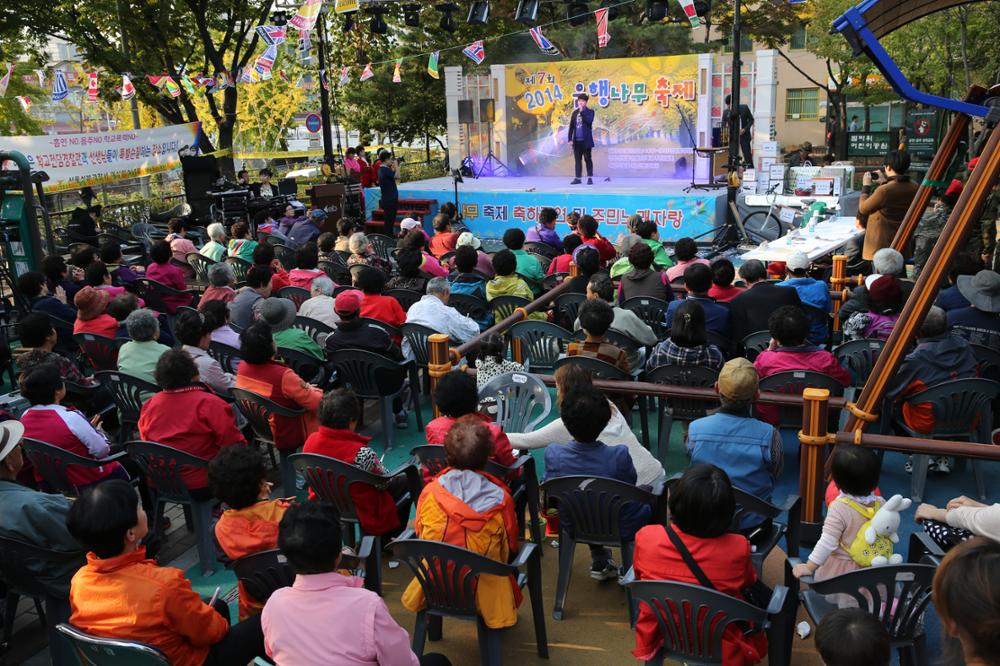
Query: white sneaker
[[608, 572]]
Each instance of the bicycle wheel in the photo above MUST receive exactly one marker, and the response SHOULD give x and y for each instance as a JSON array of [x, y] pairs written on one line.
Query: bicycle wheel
[[762, 227]]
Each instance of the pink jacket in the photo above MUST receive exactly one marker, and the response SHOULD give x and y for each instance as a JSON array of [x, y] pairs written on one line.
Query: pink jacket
[[806, 357], [303, 277]]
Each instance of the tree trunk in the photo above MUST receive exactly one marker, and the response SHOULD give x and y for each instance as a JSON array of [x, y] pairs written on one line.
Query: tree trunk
[[868, 118], [226, 131]]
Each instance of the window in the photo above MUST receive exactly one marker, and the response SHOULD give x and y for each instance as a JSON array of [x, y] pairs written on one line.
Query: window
[[798, 40], [802, 104]]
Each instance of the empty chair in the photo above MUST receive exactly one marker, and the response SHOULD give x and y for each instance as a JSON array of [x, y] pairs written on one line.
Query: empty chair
[[755, 343], [416, 336], [296, 295], [382, 245], [406, 297], [240, 268], [566, 308], [523, 401], [129, 393], [472, 307], [97, 651], [652, 311], [539, 344], [859, 357], [504, 306], [200, 264]]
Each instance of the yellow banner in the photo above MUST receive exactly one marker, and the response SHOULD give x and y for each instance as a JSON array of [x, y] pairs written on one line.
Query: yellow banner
[[344, 6]]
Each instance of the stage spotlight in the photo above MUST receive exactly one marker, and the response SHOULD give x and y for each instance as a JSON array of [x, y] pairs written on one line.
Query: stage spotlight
[[447, 10], [411, 15], [479, 12], [612, 7], [527, 12], [377, 25], [577, 12], [656, 10]]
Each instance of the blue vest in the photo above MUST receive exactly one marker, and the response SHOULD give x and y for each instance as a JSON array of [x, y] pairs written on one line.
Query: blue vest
[[739, 445]]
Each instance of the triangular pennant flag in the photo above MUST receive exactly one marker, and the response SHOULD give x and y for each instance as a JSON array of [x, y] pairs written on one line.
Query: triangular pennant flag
[[40, 73], [92, 89], [305, 48], [543, 44], [128, 90], [345, 75], [322, 79], [271, 34], [432, 65], [25, 103], [188, 85], [603, 37], [157, 81], [266, 60], [171, 87], [245, 76], [687, 6], [306, 17], [397, 75], [475, 51], [59, 87], [283, 76], [367, 73], [223, 81], [5, 81]]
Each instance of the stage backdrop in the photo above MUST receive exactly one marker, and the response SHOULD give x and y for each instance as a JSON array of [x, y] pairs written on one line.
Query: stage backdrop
[[645, 115]]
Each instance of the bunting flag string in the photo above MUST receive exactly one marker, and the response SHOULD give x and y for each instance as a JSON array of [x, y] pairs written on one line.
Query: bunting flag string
[[188, 85], [543, 44], [687, 6], [5, 81], [345, 75], [307, 15], [59, 87], [92, 88], [603, 36], [475, 51], [432, 65], [322, 79], [128, 90], [266, 60], [171, 87], [25, 102], [40, 73], [271, 34], [367, 73], [304, 48], [397, 75]]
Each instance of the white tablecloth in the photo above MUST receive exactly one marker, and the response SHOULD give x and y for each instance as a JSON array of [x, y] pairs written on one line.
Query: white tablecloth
[[825, 238]]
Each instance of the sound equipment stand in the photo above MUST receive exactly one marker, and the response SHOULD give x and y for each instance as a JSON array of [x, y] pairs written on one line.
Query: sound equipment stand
[[491, 159], [695, 150]]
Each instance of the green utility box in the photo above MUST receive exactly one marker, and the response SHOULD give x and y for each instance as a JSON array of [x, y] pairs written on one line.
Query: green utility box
[[18, 246]]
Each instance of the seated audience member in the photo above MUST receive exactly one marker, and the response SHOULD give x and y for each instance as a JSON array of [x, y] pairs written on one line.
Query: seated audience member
[[748, 450], [484, 262], [790, 350], [98, 277], [83, 256], [338, 437], [723, 274], [47, 420], [194, 334], [120, 307], [626, 240], [444, 239], [39, 519], [701, 508], [307, 229], [407, 225], [572, 221], [90, 313], [241, 245], [319, 305], [685, 254], [688, 341], [325, 244], [244, 309], [58, 274], [82, 225], [121, 275], [377, 305], [33, 285], [354, 333], [465, 280], [950, 298], [979, 323], [886, 262], [180, 245], [852, 637], [588, 263], [468, 507], [544, 232], [698, 280], [649, 471], [752, 309], [261, 373], [429, 263], [595, 318], [249, 525], [293, 215], [362, 253], [966, 599], [528, 266], [560, 264], [508, 283], [217, 319], [162, 271], [121, 594], [960, 520], [138, 357], [884, 307], [433, 311], [305, 271], [456, 396], [490, 361], [409, 276], [650, 235], [585, 414], [931, 224], [325, 617], [215, 248], [279, 314], [642, 280], [587, 228], [625, 322], [622, 266], [188, 416], [38, 341], [263, 255], [814, 294], [221, 281], [345, 229]]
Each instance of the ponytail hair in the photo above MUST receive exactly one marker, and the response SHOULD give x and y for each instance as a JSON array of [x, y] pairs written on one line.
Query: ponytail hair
[[688, 327]]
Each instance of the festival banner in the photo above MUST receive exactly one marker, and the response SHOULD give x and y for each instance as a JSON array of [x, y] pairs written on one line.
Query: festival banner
[[73, 161], [603, 36], [645, 115], [544, 45], [271, 34], [344, 6], [306, 17], [475, 51], [688, 7], [367, 73], [92, 88], [345, 75], [40, 73]]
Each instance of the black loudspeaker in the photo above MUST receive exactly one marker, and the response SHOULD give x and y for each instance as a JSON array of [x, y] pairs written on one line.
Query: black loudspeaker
[[465, 112], [486, 110], [199, 174]]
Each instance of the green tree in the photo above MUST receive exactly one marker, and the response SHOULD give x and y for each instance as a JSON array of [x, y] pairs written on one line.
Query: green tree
[[13, 119]]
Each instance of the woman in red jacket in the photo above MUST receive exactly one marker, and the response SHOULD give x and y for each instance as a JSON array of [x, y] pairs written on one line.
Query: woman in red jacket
[[162, 271]]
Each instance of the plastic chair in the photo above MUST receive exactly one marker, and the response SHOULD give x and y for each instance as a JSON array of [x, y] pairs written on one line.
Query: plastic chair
[[258, 411], [331, 480], [227, 356], [859, 357], [794, 382], [375, 377], [382, 245], [724, 344], [518, 395], [240, 268], [896, 595], [552, 281], [296, 295], [102, 352], [153, 292], [52, 464], [541, 343], [200, 264], [316, 330], [285, 256], [389, 329], [602, 370], [692, 620], [417, 335], [95, 651], [335, 270], [989, 361], [471, 306], [405, 297], [755, 343], [162, 466], [566, 308], [746, 503], [448, 576], [592, 504], [504, 306], [962, 411], [129, 393], [670, 409], [652, 311], [308, 367]]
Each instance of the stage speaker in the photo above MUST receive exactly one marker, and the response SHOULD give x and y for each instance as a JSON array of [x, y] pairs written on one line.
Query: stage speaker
[[199, 174], [486, 110], [465, 112]]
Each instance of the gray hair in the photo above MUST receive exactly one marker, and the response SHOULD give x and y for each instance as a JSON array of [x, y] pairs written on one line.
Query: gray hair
[[322, 285], [634, 220], [357, 243], [935, 323], [142, 325], [438, 286], [216, 232], [888, 262], [221, 274]]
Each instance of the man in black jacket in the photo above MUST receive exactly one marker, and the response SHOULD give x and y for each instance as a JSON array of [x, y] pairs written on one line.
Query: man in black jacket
[[581, 137], [751, 309], [746, 125]]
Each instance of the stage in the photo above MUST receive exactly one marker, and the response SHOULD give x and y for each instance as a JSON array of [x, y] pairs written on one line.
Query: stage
[[490, 205]]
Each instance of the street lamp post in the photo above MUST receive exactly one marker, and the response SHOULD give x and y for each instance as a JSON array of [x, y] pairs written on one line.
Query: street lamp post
[[324, 94], [734, 122]]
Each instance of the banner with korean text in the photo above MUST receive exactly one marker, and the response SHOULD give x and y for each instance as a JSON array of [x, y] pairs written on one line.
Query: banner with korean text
[[73, 161], [645, 115]]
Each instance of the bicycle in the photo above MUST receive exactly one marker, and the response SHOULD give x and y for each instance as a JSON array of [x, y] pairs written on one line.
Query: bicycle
[[761, 226]]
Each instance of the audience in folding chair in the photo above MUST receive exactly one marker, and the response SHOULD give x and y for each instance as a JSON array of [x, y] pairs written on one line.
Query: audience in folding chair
[[139, 356]]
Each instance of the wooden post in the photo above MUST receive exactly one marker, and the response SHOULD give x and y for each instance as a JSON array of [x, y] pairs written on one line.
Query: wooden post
[[438, 363], [814, 439], [573, 270], [837, 281], [937, 170]]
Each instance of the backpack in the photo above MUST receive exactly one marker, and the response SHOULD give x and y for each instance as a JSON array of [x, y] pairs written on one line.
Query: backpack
[[880, 325], [859, 549]]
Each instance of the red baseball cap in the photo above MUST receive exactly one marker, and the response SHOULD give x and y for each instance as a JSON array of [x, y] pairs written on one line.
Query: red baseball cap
[[954, 188], [348, 302]]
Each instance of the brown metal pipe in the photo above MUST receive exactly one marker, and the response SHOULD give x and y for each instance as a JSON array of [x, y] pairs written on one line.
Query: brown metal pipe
[[932, 447], [439, 359], [813, 440]]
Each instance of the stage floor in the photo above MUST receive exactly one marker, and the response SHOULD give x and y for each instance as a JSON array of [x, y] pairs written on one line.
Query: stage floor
[[561, 184]]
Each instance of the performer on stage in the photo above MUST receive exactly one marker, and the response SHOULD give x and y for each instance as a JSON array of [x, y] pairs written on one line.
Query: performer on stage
[[582, 137], [746, 125]]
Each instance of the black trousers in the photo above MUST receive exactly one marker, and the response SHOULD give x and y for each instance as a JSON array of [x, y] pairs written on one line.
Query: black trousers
[[747, 153], [581, 154], [243, 642], [389, 208]]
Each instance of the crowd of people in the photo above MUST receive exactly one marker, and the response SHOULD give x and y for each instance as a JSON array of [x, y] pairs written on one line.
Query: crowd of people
[[109, 585]]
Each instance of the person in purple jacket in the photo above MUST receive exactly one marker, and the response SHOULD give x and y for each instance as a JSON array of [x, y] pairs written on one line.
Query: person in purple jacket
[[544, 230]]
